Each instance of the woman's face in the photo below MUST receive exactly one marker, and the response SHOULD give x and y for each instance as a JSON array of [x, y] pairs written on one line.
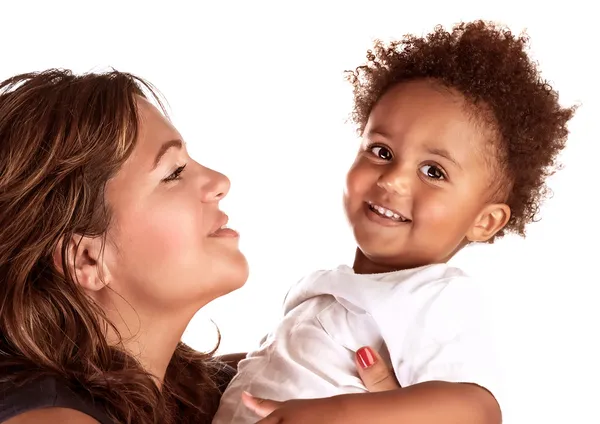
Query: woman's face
[[167, 246]]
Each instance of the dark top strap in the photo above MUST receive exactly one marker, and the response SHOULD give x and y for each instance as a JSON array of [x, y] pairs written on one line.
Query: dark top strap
[[51, 392], [46, 393]]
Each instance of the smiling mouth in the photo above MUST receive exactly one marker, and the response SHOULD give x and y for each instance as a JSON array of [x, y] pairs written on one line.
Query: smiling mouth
[[387, 213]]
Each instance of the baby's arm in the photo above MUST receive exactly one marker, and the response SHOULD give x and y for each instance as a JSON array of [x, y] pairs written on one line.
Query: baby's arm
[[424, 403], [454, 402], [430, 402]]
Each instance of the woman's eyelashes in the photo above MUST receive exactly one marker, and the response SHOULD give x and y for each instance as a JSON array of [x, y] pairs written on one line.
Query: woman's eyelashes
[[175, 175]]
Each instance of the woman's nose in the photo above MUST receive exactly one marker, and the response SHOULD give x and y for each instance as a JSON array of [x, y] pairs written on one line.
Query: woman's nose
[[216, 187]]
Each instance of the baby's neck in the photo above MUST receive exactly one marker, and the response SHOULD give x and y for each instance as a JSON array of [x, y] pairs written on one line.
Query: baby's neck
[[364, 265]]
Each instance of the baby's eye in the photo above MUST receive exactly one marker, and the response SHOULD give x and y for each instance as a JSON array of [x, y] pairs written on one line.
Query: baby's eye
[[433, 172], [381, 152]]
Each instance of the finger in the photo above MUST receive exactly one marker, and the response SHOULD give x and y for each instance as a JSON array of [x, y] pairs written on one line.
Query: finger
[[261, 407], [373, 371]]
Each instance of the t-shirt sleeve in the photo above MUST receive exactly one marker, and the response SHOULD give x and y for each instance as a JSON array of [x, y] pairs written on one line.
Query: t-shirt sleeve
[[451, 339]]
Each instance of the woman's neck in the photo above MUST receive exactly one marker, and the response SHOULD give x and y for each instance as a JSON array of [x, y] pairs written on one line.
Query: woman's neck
[[154, 346], [151, 338]]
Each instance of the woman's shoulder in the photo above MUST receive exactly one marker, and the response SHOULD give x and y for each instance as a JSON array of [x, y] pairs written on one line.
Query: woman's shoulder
[[48, 399]]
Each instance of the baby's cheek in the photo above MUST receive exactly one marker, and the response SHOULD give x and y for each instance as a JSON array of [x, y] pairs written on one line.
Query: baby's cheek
[[435, 212], [446, 222]]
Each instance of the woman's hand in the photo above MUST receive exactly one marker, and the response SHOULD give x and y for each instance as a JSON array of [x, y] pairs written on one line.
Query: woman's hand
[[374, 373], [376, 376]]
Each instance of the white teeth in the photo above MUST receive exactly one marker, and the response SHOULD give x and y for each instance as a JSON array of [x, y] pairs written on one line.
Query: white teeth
[[387, 213]]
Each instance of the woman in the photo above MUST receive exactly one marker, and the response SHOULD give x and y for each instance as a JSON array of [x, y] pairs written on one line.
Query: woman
[[111, 239]]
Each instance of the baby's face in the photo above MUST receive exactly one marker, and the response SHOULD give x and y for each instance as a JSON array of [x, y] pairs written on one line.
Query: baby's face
[[418, 189]]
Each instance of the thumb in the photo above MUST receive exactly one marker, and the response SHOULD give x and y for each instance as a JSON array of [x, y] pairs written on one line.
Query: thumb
[[261, 407], [373, 371]]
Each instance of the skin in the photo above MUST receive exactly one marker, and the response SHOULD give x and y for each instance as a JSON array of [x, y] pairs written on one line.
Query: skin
[[53, 415], [422, 156], [162, 260]]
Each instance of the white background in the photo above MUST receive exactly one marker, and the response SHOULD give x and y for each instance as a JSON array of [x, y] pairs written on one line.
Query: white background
[[257, 90]]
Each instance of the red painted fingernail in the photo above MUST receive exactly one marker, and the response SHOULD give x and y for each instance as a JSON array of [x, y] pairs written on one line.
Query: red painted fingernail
[[366, 358]]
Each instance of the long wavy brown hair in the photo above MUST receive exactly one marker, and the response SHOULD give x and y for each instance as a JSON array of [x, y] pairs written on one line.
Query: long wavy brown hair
[[62, 137]]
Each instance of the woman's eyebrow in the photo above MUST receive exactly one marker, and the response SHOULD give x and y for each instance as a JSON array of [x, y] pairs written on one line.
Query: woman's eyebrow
[[165, 148]]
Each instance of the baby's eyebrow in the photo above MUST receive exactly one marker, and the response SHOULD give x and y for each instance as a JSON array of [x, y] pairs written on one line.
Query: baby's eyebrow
[[378, 132], [445, 154]]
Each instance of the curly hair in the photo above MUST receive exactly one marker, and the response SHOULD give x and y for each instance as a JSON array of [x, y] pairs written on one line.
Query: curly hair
[[490, 67]]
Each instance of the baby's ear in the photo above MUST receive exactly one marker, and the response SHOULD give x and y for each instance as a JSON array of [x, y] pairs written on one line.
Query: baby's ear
[[490, 220], [83, 262]]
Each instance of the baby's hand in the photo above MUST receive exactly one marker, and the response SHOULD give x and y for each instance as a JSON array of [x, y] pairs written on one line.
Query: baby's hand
[[297, 411], [376, 376]]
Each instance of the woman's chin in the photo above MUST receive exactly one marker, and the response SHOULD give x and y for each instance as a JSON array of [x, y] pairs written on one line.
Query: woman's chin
[[234, 276], [211, 280]]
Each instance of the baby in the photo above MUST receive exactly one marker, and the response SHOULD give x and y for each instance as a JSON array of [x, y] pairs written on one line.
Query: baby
[[459, 133]]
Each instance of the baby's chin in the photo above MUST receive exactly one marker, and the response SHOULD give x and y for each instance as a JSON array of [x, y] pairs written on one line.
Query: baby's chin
[[384, 249]]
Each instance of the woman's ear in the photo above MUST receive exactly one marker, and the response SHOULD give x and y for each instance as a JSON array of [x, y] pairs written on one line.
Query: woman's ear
[[83, 261]]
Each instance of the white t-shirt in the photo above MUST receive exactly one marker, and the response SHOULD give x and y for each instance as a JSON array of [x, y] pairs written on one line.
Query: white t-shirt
[[428, 322]]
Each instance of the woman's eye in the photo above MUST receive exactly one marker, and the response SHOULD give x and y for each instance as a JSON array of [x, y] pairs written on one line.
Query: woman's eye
[[381, 152], [433, 172], [176, 175]]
